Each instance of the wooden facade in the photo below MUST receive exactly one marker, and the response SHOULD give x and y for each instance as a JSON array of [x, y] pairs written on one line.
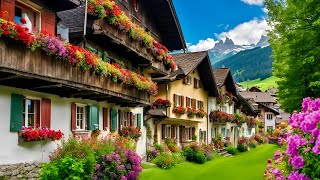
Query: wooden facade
[[37, 71]]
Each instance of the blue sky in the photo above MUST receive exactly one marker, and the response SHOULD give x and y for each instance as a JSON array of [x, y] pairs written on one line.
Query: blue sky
[[204, 22]]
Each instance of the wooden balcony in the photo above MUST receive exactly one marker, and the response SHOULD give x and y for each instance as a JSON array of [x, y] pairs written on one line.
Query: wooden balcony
[[120, 41], [22, 68]]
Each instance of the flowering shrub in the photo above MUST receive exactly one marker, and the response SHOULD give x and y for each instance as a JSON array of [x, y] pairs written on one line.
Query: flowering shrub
[[75, 56], [151, 154], [243, 143], [116, 17], [251, 122], [217, 142], [301, 158], [220, 117], [260, 138], [168, 160], [114, 166], [191, 112], [179, 110], [159, 103], [130, 132], [196, 153], [36, 134]]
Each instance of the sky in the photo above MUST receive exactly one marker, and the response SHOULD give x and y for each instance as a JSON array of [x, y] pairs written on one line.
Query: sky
[[204, 22]]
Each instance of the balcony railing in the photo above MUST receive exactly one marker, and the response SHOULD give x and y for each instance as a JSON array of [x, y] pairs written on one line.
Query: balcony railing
[[22, 68]]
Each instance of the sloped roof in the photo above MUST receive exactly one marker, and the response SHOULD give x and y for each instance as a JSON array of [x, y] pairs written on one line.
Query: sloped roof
[[259, 97], [220, 75], [73, 19], [189, 61], [270, 108]]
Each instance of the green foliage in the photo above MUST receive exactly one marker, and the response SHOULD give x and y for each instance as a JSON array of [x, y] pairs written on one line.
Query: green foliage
[[64, 168], [253, 144], [158, 147], [200, 158], [231, 150], [295, 43], [249, 64], [165, 161], [242, 147]]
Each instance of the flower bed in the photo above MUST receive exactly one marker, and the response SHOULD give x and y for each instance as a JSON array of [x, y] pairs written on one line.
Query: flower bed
[[116, 17], [302, 157], [38, 134], [130, 132], [75, 56], [109, 158]]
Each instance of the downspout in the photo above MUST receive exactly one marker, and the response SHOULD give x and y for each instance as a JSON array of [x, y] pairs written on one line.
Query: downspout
[[167, 89], [85, 19], [208, 120]]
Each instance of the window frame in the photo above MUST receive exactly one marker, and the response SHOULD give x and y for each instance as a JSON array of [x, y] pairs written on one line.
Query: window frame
[[25, 113], [167, 131], [178, 100], [35, 10], [269, 116], [189, 80], [84, 117], [190, 102]]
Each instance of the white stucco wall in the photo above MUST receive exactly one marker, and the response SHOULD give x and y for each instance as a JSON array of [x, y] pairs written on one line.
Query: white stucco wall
[[12, 152], [269, 122]]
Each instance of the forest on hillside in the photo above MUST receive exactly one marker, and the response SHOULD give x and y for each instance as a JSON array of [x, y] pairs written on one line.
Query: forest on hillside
[[249, 64]]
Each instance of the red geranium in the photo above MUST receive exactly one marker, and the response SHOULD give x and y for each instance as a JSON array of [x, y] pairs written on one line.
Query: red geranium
[[23, 21]]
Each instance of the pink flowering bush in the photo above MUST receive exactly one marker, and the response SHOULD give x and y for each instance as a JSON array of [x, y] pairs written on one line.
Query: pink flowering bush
[[301, 161]]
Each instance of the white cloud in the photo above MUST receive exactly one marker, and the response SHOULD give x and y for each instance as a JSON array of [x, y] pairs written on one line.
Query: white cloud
[[265, 10], [247, 32], [202, 45], [254, 2]]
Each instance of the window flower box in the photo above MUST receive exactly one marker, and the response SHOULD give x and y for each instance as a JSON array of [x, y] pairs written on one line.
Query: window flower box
[[161, 104], [179, 110], [29, 134], [191, 112]]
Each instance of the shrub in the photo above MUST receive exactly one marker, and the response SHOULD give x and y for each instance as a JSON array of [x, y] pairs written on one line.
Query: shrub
[[253, 143], [64, 168], [200, 158], [151, 154], [118, 166], [158, 147], [190, 152], [301, 159], [171, 144], [78, 149], [165, 161], [242, 144], [231, 150]]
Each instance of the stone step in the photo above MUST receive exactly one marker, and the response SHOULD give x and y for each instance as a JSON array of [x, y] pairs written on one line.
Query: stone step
[[227, 155]]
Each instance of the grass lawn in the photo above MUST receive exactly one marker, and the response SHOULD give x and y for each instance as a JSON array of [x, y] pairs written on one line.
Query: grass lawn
[[246, 166], [262, 84]]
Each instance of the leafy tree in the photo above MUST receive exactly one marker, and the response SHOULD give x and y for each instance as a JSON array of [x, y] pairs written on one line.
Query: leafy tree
[[295, 40]]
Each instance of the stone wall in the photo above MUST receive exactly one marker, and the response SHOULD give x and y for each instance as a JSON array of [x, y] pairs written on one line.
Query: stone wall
[[18, 171]]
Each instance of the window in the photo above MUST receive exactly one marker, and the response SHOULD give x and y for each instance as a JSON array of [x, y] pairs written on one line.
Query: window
[[213, 132], [178, 100], [187, 80], [223, 131], [199, 104], [188, 133], [81, 117], [269, 116], [249, 131], [31, 112], [28, 13], [168, 131], [269, 127], [125, 118], [196, 83], [189, 102]]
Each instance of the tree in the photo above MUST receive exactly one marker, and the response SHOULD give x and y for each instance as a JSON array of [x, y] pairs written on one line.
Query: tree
[[295, 40]]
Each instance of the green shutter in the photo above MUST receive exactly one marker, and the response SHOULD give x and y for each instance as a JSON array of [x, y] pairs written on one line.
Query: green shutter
[[139, 120], [114, 114], [16, 115], [93, 117]]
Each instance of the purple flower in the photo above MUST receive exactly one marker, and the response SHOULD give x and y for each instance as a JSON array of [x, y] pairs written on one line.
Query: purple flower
[[277, 155], [276, 172], [121, 167], [97, 166], [132, 175], [296, 176], [123, 178], [113, 175], [294, 142], [297, 162]]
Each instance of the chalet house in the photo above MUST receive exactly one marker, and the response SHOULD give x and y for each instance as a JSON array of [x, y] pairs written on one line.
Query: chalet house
[[188, 89], [265, 105], [230, 102], [100, 80]]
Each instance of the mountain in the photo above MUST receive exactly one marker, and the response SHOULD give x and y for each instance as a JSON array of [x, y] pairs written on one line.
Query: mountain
[[226, 49], [249, 64]]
